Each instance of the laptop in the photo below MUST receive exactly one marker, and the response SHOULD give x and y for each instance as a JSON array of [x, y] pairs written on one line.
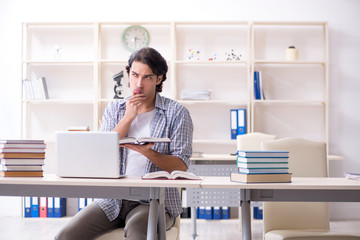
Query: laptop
[[87, 154]]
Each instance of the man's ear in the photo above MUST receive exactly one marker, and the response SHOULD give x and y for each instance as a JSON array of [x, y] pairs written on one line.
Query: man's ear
[[158, 81]]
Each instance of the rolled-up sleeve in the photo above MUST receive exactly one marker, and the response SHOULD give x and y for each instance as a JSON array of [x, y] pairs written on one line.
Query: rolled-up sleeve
[[181, 135]]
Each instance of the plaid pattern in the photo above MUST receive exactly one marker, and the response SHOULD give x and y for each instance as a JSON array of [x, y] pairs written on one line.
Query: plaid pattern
[[171, 120]]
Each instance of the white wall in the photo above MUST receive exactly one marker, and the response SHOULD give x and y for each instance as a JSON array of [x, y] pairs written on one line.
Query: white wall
[[344, 28]]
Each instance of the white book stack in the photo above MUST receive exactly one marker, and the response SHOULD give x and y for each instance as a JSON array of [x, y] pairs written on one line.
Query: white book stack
[[262, 166], [35, 89], [195, 95]]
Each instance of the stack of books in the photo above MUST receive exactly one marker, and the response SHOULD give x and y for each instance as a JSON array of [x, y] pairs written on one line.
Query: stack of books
[[262, 167], [22, 158], [195, 95]]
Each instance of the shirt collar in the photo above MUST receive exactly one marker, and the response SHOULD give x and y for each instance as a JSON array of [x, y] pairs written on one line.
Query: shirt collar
[[159, 103]]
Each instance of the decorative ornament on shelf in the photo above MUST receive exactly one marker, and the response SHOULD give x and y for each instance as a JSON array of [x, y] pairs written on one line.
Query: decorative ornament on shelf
[[193, 54], [232, 56], [118, 86], [291, 54], [57, 52], [213, 57], [135, 37]]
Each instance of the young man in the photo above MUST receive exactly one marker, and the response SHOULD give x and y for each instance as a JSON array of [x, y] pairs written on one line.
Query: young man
[[144, 113]]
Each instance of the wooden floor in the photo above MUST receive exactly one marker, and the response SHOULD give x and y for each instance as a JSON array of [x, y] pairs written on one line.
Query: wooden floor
[[15, 228]]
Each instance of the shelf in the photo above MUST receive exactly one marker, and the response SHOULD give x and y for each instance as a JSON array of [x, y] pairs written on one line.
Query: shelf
[[113, 61], [107, 100], [335, 158], [214, 157], [79, 60], [291, 24], [209, 141], [219, 102], [235, 62], [290, 102], [45, 62], [289, 62], [52, 101]]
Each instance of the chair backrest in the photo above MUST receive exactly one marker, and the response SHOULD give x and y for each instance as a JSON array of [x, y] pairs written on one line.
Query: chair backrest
[[306, 159], [252, 141]]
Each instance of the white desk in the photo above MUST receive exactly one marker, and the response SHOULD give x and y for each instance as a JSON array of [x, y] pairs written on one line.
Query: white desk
[[301, 189], [128, 188]]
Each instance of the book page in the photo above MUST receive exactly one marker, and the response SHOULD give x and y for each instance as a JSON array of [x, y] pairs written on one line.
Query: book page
[[173, 175], [127, 140], [182, 174], [142, 140], [158, 174], [152, 139]]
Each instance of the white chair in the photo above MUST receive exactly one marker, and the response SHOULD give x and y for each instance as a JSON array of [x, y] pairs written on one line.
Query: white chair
[[251, 142], [118, 234], [300, 220]]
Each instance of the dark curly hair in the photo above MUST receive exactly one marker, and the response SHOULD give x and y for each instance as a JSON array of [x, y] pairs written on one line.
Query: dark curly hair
[[154, 60]]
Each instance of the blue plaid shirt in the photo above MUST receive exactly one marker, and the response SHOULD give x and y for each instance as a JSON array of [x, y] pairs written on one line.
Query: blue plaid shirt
[[171, 120]]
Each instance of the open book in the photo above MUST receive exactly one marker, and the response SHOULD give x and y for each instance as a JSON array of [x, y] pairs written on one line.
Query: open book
[[355, 176], [143, 140], [171, 176]]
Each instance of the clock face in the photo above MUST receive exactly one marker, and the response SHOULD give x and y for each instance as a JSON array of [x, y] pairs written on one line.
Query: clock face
[[135, 37]]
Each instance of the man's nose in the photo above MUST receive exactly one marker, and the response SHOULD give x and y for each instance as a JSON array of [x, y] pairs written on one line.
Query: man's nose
[[139, 81]]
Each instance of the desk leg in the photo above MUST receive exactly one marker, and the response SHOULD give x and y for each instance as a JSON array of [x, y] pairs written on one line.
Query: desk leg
[[193, 222], [156, 199], [162, 223], [245, 214], [153, 219]]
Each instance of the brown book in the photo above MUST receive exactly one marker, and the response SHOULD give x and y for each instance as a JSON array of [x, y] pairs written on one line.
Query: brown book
[[21, 174], [79, 128], [22, 155], [260, 178]]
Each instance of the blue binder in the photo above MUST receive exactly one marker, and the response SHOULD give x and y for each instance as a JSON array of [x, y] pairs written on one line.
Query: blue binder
[[34, 206], [216, 213], [201, 213], [256, 85], [81, 203], [89, 201], [225, 213], [241, 121], [27, 207], [50, 207], [208, 213], [59, 207], [233, 123], [257, 213]]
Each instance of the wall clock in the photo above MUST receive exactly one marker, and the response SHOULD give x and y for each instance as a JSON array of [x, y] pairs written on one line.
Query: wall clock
[[135, 37]]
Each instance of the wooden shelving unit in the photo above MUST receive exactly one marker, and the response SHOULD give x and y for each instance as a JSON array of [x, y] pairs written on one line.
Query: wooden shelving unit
[[78, 61]]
